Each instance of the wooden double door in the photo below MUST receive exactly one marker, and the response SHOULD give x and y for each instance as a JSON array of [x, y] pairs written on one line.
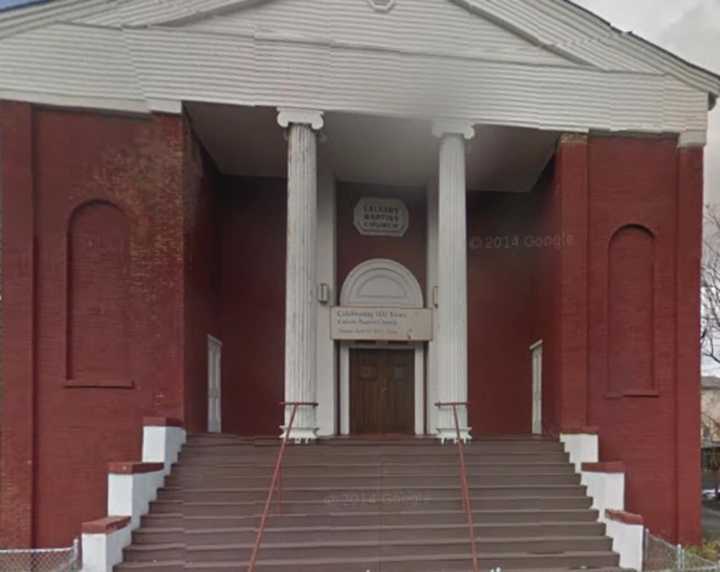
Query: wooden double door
[[382, 393]]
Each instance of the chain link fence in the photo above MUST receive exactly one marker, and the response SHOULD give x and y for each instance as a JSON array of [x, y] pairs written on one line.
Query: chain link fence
[[41, 560], [665, 557]]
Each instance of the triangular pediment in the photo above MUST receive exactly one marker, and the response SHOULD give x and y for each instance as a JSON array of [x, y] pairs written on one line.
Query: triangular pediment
[[541, 64], [442, 27]]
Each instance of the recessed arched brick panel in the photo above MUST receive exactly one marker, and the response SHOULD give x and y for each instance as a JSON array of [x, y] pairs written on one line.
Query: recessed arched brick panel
[[631, 296], [98, 274]]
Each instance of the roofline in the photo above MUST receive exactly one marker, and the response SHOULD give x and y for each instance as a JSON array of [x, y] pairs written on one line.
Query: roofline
[[27, 4], [628, 44], [714, 76], [674, 56]]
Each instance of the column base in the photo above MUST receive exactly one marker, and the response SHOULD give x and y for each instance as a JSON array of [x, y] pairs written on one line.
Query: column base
[[301, 435], [451, 434]]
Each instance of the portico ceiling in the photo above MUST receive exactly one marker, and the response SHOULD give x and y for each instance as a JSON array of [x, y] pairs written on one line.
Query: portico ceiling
[[246, 141]]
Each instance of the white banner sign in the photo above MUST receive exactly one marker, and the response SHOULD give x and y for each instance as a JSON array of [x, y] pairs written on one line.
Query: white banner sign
[[381, 324]]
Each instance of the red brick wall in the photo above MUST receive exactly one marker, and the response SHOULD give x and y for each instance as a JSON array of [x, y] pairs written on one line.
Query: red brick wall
[[354, 248], [17, 493], [688, 249], [572, 212], [54, 162], [631, 312], [202, 275], [253, 223], [97, 317], [546, 296], [645, 403], [654, 428], [505, 250]]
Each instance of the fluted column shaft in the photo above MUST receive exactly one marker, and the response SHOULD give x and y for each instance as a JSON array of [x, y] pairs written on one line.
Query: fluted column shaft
[[301, 297], [452, 314]]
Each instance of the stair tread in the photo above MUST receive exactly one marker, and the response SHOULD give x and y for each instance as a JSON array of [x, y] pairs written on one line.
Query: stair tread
[[364, 543], [461, 526], [369, 488], [387, 464], [375, 559], [305, 501], [356, 560], [373, 513], [378, 474]]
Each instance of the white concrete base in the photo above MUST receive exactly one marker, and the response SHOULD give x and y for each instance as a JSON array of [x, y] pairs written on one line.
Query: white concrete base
[[605, 484], [450, 435], [130, 495], [627, 542], [607, 490], [131, 488], [162, 445], [300, 435], [582, 448], [102, 552]]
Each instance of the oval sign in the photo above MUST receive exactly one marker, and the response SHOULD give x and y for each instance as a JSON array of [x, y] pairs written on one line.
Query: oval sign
[[381, 217]]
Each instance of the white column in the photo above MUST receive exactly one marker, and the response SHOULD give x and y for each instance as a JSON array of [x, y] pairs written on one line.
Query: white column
[[326, 269], [430, 298], [451, 313], [301, 290]]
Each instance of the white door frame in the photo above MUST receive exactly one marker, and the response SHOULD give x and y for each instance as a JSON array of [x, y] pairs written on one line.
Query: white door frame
[[536, 352], [214, 368], [419, 374], [381, 283]]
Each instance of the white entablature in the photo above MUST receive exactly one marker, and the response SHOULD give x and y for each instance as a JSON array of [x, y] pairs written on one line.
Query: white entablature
[[544, 64]]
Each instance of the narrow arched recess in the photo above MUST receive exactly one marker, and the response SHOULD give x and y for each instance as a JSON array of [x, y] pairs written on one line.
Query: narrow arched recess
[[98, 265], [631, 300]]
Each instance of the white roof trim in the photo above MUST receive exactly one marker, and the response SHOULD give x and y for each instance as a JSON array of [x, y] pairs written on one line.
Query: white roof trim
[[88, 102]]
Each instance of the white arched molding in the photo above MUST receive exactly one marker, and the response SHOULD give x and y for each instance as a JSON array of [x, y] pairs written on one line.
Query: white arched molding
[[381, 283]]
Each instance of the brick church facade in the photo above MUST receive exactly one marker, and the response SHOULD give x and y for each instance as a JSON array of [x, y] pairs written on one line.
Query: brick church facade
[[521, 191]]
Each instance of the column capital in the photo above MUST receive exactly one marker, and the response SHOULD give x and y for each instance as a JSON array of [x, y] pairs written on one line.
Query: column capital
[[442, 127], [697, 138], [311, 117]]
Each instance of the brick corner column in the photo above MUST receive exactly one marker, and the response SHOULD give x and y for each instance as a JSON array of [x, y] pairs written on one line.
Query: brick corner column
[[17, 464], [301, 296], [572, 192], [452, 310], [688, 250]]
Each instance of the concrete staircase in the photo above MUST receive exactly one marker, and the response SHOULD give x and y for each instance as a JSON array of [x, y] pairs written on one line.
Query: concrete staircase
[[371, 506]]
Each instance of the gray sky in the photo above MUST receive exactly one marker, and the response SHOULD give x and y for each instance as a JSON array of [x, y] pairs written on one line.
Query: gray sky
[[689, 28]]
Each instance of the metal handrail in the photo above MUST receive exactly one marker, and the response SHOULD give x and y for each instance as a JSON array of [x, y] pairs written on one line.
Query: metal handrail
[[464, 480], [274, 484]]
